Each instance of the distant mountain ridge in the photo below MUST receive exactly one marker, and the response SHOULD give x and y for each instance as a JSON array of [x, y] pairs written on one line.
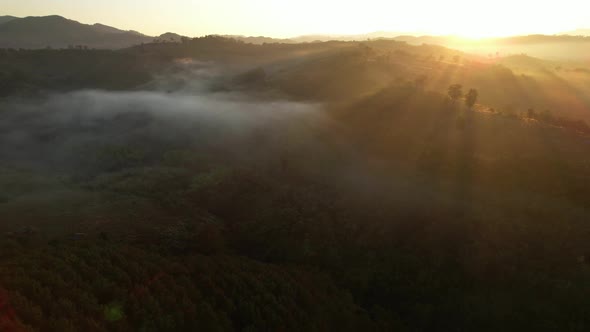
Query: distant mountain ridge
[[109, 29], [170, 37], [416, 39], [59, 32], [578, 32], [7, 18]]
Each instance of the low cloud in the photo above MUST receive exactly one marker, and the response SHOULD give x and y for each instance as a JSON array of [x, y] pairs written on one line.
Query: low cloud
[[179, 109]]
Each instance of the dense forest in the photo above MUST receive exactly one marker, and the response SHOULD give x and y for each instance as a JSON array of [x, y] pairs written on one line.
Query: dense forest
[[217, 185]]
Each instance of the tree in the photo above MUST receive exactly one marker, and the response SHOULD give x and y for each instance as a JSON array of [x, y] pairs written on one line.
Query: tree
[[531, 114], [420, 82], [546, 116], [471, 98], [455, 92]]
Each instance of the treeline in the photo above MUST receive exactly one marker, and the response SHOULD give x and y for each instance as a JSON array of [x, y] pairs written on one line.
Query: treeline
[[97, 285], [455, 92], [559, 121], [31, 72]]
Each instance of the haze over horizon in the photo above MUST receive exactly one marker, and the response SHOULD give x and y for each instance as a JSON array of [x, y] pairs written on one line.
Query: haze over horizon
[[280, 19]]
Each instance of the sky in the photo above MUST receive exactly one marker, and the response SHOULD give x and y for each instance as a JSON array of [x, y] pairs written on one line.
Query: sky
[[280, 18]]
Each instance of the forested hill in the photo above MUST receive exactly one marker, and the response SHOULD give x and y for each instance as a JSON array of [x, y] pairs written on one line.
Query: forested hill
[[313, 71], [217, 185]]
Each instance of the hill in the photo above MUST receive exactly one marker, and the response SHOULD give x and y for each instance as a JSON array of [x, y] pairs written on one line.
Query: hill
[[59, 32], [259, 40], [323, 70], [228, 186], [170, 37]]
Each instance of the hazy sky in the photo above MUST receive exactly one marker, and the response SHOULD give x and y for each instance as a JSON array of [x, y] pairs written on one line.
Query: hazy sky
[[279, 18]]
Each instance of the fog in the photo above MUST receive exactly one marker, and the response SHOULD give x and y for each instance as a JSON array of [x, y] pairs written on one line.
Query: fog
[[177, 110], [171, 131]]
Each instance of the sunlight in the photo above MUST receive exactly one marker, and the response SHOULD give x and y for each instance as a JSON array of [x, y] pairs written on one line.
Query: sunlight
[[283, 19], [311, 165]]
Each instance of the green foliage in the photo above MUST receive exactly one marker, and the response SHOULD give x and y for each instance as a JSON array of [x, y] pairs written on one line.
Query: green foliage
[[113, 312], [122, 288]]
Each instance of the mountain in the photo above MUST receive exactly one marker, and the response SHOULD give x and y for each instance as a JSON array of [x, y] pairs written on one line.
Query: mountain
[[59, 32], [109, 29], [357, 37], [259, 40], [170, 37], [4, 19]]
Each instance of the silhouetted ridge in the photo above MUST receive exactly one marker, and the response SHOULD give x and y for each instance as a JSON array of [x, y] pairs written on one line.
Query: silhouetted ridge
[[58, 32]]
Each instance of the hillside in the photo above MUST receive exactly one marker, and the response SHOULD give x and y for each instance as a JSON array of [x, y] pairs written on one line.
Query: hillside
[[320, 71], [225, 186]]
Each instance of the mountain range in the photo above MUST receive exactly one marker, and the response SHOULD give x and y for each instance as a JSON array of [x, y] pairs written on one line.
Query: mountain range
[[58, 32]]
